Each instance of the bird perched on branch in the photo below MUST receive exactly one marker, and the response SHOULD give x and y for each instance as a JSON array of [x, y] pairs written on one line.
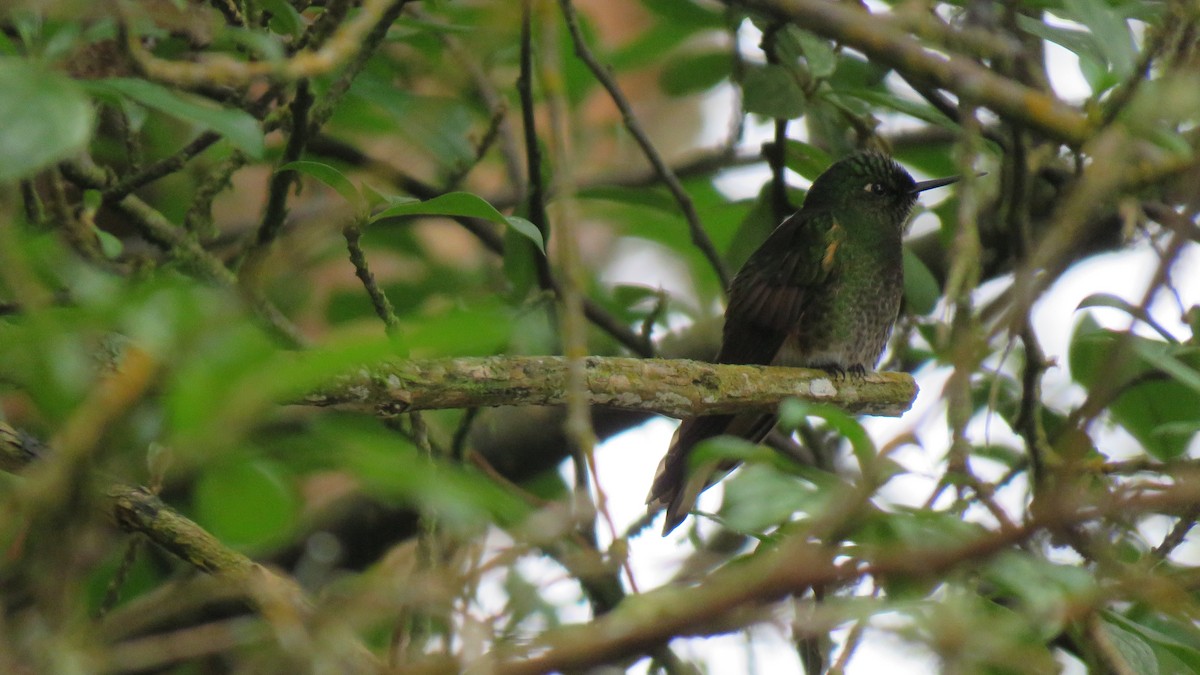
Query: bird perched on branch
[[823, 291]]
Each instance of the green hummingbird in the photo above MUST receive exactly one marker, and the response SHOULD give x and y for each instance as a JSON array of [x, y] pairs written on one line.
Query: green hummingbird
[[823, 291]]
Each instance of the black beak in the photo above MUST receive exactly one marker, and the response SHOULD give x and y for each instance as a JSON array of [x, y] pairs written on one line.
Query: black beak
[[939, 182], [935, 183]]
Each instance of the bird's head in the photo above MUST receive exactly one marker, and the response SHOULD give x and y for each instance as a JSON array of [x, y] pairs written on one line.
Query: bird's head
[[869, 187]]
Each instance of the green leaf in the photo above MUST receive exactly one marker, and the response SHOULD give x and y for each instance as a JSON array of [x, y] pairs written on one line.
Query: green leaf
[[528, 230], [793, 411], [755, 227], [225, 381], [246, 503], [1166, 361], [1089, 356], [729, 448], [921, 111], [47, 117], [691, 73], [1110, 33], [284, 18], [686, 13], [263, 45], [59, 39], [466, 205], [7, 48], [237, 126], [818, 53], [329, 176], [473, 331], [1175, 641], [1045, 590], [1109, 300], [649, 46], [391, 467], [110, 245], [520, 265], [1078, 42], [921, 290], [891, 532], [639, 197], [440, 126], [1133, 649], [760, 496], [806, 159], [772, 91], [1159, 412]]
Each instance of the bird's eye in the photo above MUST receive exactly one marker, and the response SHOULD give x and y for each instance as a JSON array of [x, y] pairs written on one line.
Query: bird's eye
[[873, 188]]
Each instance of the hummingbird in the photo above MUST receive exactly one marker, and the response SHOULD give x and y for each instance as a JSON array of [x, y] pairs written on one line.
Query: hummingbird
[[822, 291]]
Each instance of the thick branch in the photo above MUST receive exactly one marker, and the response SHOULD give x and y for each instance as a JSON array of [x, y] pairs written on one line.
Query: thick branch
[[671, 387]]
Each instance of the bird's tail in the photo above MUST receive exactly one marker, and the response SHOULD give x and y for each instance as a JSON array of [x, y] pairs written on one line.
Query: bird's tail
[[677, 483]]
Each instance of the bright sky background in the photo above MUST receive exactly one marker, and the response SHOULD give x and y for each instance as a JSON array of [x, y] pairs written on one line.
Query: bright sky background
[[627, 462]]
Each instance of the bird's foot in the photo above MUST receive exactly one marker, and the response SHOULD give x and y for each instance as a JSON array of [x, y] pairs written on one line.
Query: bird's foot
[[843, 373]]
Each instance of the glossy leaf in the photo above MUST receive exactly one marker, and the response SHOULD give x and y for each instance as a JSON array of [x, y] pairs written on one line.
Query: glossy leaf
[[772, 91], [392, 468], [919, 110], [793, 411], [467, 205], [1155, 384], [237, 126], [1115, 302], [760, 495], [331, 177], [921, 290], [818, 53], [246, 503], [46, 118], [806, 159]]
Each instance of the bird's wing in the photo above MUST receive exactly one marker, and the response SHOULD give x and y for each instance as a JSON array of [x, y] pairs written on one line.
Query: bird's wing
[[769, 295], [766, 301]]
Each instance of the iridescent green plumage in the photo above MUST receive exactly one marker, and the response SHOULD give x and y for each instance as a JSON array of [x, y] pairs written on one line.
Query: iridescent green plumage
[[823, 291]]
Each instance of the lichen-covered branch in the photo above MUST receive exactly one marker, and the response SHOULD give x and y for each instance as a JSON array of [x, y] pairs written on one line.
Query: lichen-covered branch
[[678, 388], [222, 70]]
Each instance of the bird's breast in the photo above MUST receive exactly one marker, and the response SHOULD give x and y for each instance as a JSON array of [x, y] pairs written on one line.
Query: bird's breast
[[847, 325]]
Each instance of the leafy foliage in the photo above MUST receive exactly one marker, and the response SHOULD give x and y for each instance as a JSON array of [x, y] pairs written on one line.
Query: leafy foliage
[[210, 211]]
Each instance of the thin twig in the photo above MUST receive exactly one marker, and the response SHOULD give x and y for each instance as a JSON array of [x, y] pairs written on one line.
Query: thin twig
[[179, 244], [490, 135], [700, 237], [198, 219], [223, 70], [163, 167], [388, 12], [491, 238], [495, 102], [1187, 520], [379, 300], [281, 181], [536, 202], [776, 151]]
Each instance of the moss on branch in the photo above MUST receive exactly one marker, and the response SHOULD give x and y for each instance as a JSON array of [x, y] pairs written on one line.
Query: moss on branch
[[678, 388]]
